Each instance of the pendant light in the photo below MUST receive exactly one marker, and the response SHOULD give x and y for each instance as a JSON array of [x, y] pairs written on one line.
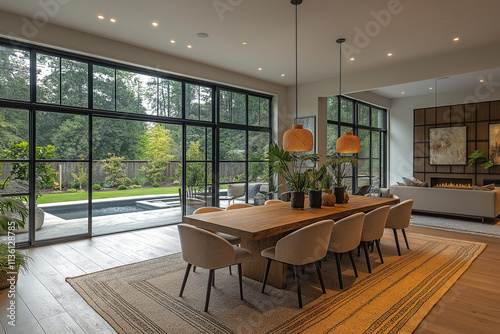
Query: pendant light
[[297, 139], [348, 143]]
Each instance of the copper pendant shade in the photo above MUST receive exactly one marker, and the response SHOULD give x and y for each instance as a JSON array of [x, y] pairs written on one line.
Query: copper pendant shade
[[348, 143], [297, 139]]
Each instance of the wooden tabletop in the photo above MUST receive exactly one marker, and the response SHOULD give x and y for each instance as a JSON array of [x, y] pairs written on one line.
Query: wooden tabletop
[[264, 221]]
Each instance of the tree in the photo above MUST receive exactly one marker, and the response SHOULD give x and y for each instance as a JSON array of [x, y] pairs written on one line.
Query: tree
[[156, 148], [114, 169], [196, 177], [81, 174]]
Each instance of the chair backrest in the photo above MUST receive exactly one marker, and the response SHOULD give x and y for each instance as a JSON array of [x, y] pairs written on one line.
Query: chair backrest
[[236, 190], [204, 249], [363, 190], [206, 209], [273, 201], [306, 245], [346, 233], [373, 227], [239, 206], [399, 215]]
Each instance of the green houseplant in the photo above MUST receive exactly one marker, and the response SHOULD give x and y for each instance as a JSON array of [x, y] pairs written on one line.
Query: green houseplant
[[13, 214], [339, 165], [479, 157], [290, 167], [315, 193]]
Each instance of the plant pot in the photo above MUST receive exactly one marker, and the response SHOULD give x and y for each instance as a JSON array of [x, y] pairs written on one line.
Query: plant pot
[[339, 194], [4, 283], [346, 196], [328, 198], [315, 198], [297, 200]]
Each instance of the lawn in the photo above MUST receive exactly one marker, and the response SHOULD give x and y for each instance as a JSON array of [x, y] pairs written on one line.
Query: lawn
[[69, 197]]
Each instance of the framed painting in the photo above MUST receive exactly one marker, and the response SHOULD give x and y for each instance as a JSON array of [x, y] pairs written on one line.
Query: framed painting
[[448, 146], [494, 143]]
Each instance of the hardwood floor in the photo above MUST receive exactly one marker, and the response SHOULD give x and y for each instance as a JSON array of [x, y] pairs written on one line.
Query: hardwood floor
[[45, 303]]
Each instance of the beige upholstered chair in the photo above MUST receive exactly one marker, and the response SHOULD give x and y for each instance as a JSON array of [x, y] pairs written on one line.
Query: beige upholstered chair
[[206, 250], [304, 246], [239, 206], [373, 230], [399, 219], [273, 201], [346, 236]]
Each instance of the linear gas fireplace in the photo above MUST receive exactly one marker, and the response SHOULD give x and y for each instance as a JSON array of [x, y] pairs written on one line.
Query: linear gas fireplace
[[451, 182]]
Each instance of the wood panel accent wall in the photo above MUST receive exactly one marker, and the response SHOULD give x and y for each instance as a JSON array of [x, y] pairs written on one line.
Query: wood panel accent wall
[[476, 117]]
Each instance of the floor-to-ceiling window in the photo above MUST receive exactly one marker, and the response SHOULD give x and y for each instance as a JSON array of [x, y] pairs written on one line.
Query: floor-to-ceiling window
[[368, 122], [95, 147]]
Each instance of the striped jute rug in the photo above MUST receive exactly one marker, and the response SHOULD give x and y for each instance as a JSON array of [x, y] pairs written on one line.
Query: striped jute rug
[[143, 297]]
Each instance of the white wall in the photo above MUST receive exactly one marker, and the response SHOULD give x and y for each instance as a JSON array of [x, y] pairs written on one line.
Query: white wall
[[401, 125]]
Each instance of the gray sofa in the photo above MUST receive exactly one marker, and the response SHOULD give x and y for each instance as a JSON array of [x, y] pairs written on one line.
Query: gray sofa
[[476, 203]]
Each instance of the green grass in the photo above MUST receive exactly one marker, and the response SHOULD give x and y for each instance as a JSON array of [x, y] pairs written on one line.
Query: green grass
[[69, 197]]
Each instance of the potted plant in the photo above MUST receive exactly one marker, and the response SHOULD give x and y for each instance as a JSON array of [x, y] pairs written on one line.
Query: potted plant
[[289, 166], [479, 157], [328, 198], [13, 215], [315, 193], [339, 165]]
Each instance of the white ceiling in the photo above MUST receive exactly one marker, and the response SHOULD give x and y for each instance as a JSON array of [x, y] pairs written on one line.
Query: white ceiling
[[423, 28]]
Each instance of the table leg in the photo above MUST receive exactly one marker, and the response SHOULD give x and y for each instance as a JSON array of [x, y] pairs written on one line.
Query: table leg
[[256, 268]]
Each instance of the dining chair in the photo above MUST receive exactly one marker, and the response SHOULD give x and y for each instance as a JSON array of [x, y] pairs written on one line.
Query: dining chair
[[399, 219], [228, 237], [346, 236], [363, 190], [304, 246], [273, 201], [239, 206], [206, 250], [373, 230]]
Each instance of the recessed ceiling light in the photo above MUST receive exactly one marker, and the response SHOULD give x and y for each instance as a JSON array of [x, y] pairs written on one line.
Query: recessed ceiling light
[[430, 88], [172, 41], [189, 46], [155, 24], [112, 20], [202, 35], [282, 74], [352, 59], [260, 68], [402, 92], [456, 39], [389, 54], [244, 43], [100, 17], [482, 80]]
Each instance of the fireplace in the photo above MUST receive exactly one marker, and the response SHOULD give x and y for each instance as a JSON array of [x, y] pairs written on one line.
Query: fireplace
[[451, 182], [490, 181]]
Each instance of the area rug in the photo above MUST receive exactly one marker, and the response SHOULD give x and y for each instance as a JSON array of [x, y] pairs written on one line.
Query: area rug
[[490, 228], [143, 297]]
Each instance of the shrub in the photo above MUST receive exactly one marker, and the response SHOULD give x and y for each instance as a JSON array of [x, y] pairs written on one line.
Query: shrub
[[122, 187], [134, 186], [171, 179], [107, 185], [127, 181], [141, 178], [96, 186], [57, 192], [80, 191], [71, 190], [176, 182], [114, 170], [156, 185], [75, 185]]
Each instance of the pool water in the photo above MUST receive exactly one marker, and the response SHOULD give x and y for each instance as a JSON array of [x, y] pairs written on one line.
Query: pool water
[[97, 212]]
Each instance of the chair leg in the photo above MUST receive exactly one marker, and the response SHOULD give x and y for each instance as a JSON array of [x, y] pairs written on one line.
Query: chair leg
[[209, 287], [241, 283], [318, 269], [397, 241], [378, 249], [365, 245], [213, 279], [339, 270], [230, 273], [406, 240], [194, 269], [188, 269], [359, 250], [265, 275], [372, 242], [303, 269], [297, 280], [353, 264]]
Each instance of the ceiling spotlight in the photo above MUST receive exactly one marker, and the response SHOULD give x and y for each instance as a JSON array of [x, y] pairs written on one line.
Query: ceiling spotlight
[[389, 54], [456, 39], [189, 46], [282, 74], [352, 59], [482, 80], [172, 41], [100, 17], [260, 68], [202, 35], [112, 20], [430, 88], [402, 92], [244, 43], [155, 24]]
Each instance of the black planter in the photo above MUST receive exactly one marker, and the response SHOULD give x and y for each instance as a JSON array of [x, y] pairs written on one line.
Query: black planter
[[339, 194], [297, 200], [315, 198]]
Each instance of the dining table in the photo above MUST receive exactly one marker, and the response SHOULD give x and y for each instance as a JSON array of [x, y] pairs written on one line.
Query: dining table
[[260, 227]]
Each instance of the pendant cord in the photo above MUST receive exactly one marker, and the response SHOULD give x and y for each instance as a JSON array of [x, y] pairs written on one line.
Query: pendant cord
[[296, 65], [436, 95], [340, 69]]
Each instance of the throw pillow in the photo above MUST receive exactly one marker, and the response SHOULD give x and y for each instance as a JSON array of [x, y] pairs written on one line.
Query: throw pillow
[[408, 182], [423, 184], [487, 187], [400, 183]]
